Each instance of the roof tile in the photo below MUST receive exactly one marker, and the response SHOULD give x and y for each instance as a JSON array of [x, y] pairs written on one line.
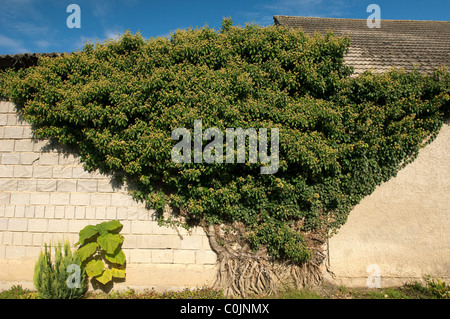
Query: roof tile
[[401, 43]]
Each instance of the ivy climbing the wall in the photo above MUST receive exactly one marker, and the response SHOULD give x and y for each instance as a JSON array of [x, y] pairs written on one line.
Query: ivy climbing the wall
[[117, 103]]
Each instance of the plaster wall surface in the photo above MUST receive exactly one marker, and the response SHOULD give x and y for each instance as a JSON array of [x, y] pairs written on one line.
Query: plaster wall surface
[[401, 232]]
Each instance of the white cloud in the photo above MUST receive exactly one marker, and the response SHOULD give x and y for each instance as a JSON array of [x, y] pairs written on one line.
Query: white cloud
[[316, 8], [8, 42], [103, 8], [43, 43], [108, 34], [30, 28], [100, 8], [263, 12], [11, 44], [113, 34], [82, 40], [22, 19], [292, 4], [13, 11]]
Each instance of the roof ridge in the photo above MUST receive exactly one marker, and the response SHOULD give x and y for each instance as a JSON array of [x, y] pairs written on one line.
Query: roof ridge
[[354, 19]]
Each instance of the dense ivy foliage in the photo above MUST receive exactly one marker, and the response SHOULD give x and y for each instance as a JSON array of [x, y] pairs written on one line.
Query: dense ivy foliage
[[117, 103]]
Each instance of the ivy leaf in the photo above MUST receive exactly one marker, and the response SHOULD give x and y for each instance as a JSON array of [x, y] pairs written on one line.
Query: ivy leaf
[[118, 273], [86, 233], [109, 242], [105, 277], [87, 250], [117, 258], [94, 268]]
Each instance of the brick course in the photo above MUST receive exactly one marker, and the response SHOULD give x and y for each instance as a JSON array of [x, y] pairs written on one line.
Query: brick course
[[46, 196]]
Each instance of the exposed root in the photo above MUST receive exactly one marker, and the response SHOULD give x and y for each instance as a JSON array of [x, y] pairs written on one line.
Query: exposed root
[[243, 272]]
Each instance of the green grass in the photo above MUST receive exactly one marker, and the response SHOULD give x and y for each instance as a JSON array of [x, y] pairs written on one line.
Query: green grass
[[430, 289], [18, 292], [299, 294], [199, 293]]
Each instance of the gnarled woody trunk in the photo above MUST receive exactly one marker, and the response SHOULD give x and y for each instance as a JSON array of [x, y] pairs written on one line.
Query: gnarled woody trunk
[[243, 272]]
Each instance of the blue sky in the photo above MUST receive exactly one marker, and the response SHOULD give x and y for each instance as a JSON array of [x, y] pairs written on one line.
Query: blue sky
[[40, 25]]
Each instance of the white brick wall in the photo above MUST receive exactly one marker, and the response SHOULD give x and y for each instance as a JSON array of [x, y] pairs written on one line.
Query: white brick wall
[[46, 196]]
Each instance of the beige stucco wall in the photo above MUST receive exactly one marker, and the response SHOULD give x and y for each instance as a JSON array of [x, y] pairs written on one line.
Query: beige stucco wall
[[46, 196], [403, 227]]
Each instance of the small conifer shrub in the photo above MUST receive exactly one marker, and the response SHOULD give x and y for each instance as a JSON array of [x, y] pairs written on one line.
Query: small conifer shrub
[[62, 279]]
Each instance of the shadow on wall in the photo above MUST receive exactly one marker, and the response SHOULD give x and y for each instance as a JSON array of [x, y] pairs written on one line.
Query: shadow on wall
[[117, 179]]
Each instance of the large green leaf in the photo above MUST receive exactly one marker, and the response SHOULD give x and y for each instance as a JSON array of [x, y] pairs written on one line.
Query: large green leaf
[[102, 230], [118, 273], [110, 242], [86, 251], [105, 277], [117, 258], [111, 225], [107, 227], [94, 268], [86, 233]]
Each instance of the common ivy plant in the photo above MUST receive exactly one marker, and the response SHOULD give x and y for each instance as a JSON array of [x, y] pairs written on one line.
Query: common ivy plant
[[118, 102], [100, 251]]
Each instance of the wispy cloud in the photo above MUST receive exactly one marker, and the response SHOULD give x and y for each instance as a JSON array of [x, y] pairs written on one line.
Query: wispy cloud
[[263, 12], [113, 33], [103, 8], [30, 29], [17, 8], [108, 34], [83, 40], [12, 45], [43, 44], [22, 19], [100, 8], [317, 8], [14, 11]]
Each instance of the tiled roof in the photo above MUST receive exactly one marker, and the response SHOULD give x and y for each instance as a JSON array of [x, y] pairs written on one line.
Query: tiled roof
[[22, 60], [400, 43]]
